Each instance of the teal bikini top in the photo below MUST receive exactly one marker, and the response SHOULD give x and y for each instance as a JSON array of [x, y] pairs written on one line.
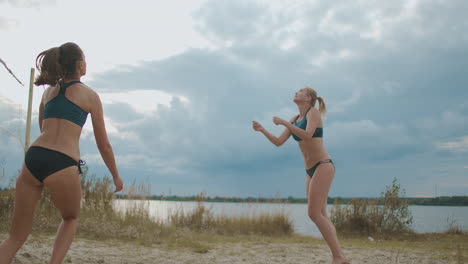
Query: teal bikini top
[[61, 107], [303, 125]]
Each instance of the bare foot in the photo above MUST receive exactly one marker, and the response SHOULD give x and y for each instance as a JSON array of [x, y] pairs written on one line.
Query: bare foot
[[340, 260]]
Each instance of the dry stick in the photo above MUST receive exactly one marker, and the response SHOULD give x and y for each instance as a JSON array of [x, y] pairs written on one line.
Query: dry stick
[[8, 69]]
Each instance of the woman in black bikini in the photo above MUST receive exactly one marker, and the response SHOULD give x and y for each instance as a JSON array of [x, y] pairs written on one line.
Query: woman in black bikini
[[307, 129], [53, 160]]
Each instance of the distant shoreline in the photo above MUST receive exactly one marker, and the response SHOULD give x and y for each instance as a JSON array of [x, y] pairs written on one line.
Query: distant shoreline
[[433, 201]]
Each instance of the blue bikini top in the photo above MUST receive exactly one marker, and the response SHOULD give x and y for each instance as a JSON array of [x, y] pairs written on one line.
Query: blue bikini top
[[303, 125], [61, 107]]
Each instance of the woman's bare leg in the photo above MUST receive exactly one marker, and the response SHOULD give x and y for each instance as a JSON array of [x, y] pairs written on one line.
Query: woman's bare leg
[[324, 213], [324, 208], [317, 195], [28, 192], [65, 192]]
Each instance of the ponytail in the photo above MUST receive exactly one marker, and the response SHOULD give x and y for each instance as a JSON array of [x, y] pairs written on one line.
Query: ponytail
[[322, 107], [57, 63], [47, 63], [314, 98]]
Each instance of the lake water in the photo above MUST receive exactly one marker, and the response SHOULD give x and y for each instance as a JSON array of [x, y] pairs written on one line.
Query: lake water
[[426, 219]]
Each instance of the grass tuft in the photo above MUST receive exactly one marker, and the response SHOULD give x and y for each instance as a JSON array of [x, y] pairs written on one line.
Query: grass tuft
[[99, 219]]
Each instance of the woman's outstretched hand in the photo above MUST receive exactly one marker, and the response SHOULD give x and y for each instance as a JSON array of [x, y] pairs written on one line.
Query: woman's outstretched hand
[[118, 184], [256, 126], [278, 121]]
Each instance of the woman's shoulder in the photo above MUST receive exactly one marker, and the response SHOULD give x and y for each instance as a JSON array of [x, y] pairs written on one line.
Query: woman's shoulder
[[313, 112], [88, 91], [87, 97], [50, 91], [85, 87]]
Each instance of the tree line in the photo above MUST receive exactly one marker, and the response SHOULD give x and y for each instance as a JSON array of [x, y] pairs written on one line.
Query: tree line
[[442, 200]]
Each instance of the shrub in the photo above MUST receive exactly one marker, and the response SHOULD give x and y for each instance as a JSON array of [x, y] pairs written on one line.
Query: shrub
[[385, 217]]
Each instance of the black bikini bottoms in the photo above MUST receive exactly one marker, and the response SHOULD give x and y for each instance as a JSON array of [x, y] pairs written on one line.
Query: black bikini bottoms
[[43, 162], [311, 171]]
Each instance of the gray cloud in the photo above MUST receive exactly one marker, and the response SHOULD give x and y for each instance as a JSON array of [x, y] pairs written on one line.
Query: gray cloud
[[459, 145], [11, 138], [121, 112], [392, 74], [11, 120]]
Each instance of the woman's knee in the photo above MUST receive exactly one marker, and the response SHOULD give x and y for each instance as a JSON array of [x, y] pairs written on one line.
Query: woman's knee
[[315, 215], [324, 212]]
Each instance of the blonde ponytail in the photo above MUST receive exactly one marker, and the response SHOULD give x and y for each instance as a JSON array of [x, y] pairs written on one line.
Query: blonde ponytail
[[314, 98], [322, 107]]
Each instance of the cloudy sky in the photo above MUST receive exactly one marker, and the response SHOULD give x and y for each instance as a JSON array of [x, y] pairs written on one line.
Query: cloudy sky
[[181, 82]]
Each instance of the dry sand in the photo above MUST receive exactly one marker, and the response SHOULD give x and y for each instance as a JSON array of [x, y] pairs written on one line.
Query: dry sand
[[37, 250]]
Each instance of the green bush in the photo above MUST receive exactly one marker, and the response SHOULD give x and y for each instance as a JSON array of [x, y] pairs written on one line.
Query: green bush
[[386, 217]]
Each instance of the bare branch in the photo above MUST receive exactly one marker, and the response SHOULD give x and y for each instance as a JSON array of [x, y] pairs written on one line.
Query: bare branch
[[8, 69]]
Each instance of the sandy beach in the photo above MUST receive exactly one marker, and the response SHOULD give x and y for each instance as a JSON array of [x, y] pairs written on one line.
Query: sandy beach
[[37, 250]]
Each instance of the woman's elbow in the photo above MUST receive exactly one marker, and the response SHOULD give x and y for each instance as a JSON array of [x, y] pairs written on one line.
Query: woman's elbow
[[278, 143], [104, 147]]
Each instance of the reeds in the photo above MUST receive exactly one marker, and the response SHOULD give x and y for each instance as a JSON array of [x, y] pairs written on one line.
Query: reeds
[[453, 228], [99, 219], [202, 219]]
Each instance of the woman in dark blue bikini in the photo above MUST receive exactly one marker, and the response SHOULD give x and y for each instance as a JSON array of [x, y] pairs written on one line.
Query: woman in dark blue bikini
[[53, 160], [307, 129]]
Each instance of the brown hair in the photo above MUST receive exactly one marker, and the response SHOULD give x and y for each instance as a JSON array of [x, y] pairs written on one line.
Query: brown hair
[[314, 98], [57, 63]]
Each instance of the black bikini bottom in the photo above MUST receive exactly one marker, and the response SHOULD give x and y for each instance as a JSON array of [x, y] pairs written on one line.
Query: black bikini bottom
[[311, 171], [43, 162]]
